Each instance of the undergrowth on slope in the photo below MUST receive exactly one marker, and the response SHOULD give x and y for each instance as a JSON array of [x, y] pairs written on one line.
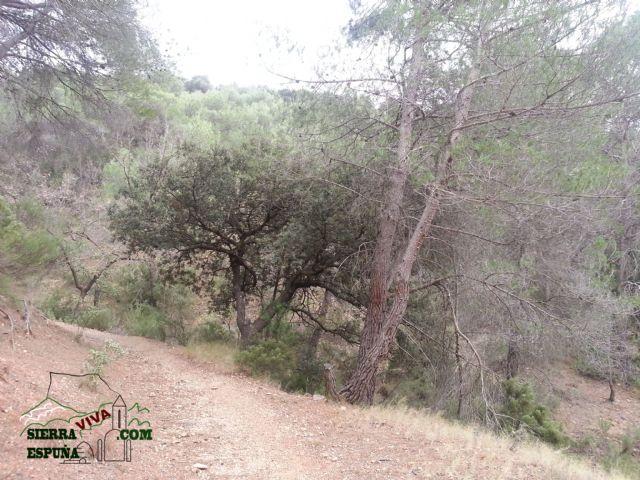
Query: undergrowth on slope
[[521, 409], [99, 359]]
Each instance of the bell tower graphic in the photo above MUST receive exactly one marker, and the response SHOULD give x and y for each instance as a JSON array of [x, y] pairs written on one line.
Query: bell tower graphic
[[113, 448], [119, 414]]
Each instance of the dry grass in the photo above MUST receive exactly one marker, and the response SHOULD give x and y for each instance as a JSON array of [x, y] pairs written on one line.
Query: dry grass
[[470, 449], [219, 355]]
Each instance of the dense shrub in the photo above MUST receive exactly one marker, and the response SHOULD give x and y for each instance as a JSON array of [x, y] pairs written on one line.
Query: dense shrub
[[307, 377], [585, 367], [175, 302], [145, 321], [272, 358], [131, 284], [59, 304], [212, 331], [137, 292], [96, 318], [29, 212], [412, 388], [285, 359], [522, 410], [24, 248]]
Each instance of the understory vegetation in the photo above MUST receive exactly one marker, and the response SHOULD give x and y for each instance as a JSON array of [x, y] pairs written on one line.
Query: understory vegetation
[[446, 228]]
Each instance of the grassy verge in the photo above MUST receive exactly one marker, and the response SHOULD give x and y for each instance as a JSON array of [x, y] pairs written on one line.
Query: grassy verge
[[220, 355], [472, 448]]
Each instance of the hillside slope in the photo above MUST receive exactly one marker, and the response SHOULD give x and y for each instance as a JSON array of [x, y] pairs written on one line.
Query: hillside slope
[[241, 428]]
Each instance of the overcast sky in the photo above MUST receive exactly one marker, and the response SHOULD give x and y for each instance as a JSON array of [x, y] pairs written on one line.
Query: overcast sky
[[233, 41]]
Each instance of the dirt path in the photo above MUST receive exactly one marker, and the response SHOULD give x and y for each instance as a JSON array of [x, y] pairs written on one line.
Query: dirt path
[[236, 426]]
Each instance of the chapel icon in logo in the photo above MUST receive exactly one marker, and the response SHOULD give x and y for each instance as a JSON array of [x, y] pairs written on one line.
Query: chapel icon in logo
[[86, 410], [113, 448]]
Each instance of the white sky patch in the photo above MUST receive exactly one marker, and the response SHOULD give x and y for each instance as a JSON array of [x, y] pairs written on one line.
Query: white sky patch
[[244, 42], [241, 41]]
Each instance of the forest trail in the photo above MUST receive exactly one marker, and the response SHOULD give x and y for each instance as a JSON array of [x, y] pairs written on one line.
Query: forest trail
[[246, 429]]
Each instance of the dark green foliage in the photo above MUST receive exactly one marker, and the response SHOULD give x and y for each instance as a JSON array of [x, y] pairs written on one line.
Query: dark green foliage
[[175, 302], [307, 376], [284, 357], [132, 284], [96, 318], [246, 219], [59, 304], [25, 248], [521, 409], [206, 205], [272, 358], [413, 388], [199, 83], [147, 305], [145, 321], [62, 305], [132, 298], [281, 330], [421, 373], [212, 331], [29, 212]]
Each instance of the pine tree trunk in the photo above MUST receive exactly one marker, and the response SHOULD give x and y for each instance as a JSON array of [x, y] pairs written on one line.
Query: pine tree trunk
[[512, 363], [360, 387], [382, 322]]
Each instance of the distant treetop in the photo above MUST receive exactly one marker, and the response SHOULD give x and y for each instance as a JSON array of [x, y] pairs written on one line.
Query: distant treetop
[[199, 83]]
